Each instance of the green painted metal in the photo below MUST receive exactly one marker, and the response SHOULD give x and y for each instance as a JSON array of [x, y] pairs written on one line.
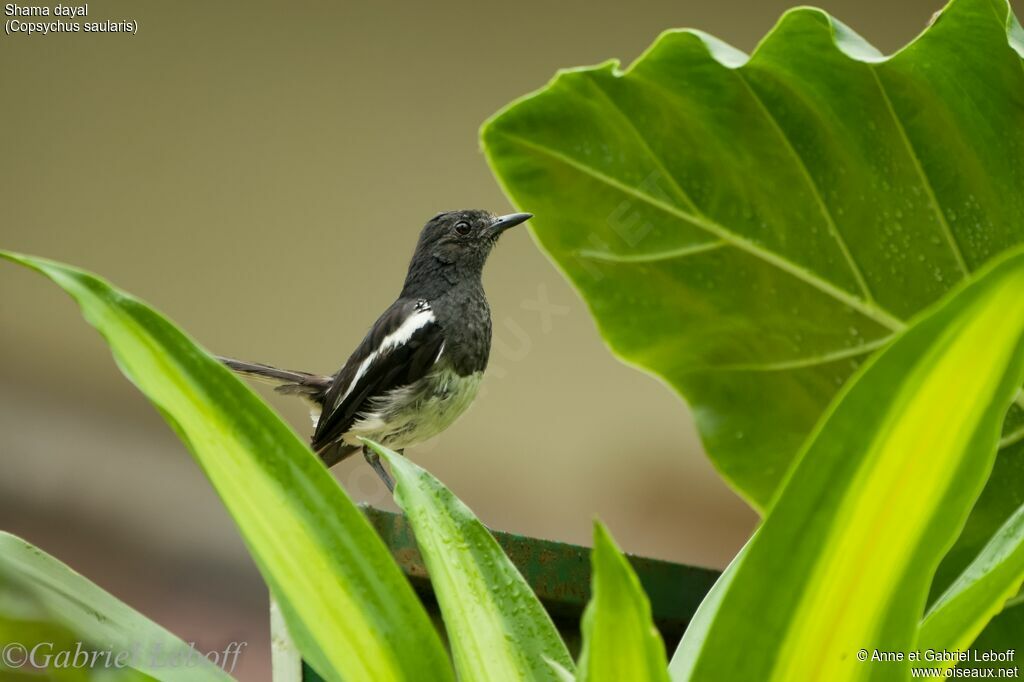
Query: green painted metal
[[560, 575]]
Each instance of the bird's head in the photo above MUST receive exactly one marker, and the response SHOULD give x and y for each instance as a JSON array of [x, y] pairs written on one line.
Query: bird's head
[[454, 245]]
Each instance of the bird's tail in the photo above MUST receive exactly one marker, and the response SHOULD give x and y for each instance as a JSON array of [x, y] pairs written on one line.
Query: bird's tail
[[310, 386]]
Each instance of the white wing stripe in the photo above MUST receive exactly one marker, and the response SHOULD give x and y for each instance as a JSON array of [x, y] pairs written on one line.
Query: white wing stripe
[[413, 323]]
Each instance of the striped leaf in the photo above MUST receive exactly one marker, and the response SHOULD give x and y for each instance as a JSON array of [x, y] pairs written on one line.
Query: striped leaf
[[497, 628], [981, 591], [752, 228], [350, 610], [49, 609], [845, 558]]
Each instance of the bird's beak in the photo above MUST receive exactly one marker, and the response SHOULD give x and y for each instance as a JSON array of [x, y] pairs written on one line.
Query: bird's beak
[[502, 223]]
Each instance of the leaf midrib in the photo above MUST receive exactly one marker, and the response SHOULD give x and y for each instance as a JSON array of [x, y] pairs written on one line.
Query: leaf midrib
[[869, 310], [933, 201], [826, 214]]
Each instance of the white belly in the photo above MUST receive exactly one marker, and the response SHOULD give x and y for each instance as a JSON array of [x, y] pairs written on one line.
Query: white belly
[[412, 414]]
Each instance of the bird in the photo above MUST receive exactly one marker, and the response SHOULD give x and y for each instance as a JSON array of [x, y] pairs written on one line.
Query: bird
[[420, 365]]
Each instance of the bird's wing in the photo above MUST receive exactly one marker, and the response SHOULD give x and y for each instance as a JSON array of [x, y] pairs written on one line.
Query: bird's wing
[[400, 348]]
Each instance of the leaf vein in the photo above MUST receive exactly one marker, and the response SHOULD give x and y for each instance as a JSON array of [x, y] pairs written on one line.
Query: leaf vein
[[954, 247], [1011, 438], [833, 228], [701, 221], [668, 254], [810, 361], [683, 194]]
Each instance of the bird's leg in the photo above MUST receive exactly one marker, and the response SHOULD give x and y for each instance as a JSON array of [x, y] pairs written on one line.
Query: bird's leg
[[374, 460]]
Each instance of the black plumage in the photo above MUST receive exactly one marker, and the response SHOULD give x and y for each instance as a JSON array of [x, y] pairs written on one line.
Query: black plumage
[[420, 364], [405, 364]]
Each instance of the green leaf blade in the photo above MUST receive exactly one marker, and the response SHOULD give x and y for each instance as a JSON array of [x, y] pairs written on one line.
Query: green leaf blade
[[879, 494], [784, 207], [620, 641], [685, 657], [497, 628], [960, 614], [751, 230], [348, 607], [45, 603]]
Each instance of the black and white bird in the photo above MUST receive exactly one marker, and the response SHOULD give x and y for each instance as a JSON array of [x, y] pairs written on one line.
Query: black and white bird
[[420, 365]]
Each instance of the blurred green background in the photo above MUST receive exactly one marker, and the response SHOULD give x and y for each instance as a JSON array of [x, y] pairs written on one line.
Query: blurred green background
[[259, 172]]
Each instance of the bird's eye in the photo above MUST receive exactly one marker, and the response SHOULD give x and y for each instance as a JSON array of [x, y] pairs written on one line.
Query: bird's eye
[[462, 227]]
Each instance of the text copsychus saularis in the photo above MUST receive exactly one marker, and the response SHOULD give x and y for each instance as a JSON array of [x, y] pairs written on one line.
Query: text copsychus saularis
[[420, 365]]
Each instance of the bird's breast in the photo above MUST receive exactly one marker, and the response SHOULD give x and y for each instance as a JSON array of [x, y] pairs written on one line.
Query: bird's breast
[[412, 414]]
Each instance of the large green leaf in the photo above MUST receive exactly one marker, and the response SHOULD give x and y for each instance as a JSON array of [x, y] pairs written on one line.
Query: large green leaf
[[350, 610], [497, 628], [751, 230], [844, 560], [50, 611], [620, 641]]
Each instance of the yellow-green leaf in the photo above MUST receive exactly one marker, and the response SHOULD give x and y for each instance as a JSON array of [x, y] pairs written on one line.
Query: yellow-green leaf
[[51, 613], [752, 229], [352, 613], [995, 576], [685, 656], [845, 557], [620, 641], [497, 628]]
